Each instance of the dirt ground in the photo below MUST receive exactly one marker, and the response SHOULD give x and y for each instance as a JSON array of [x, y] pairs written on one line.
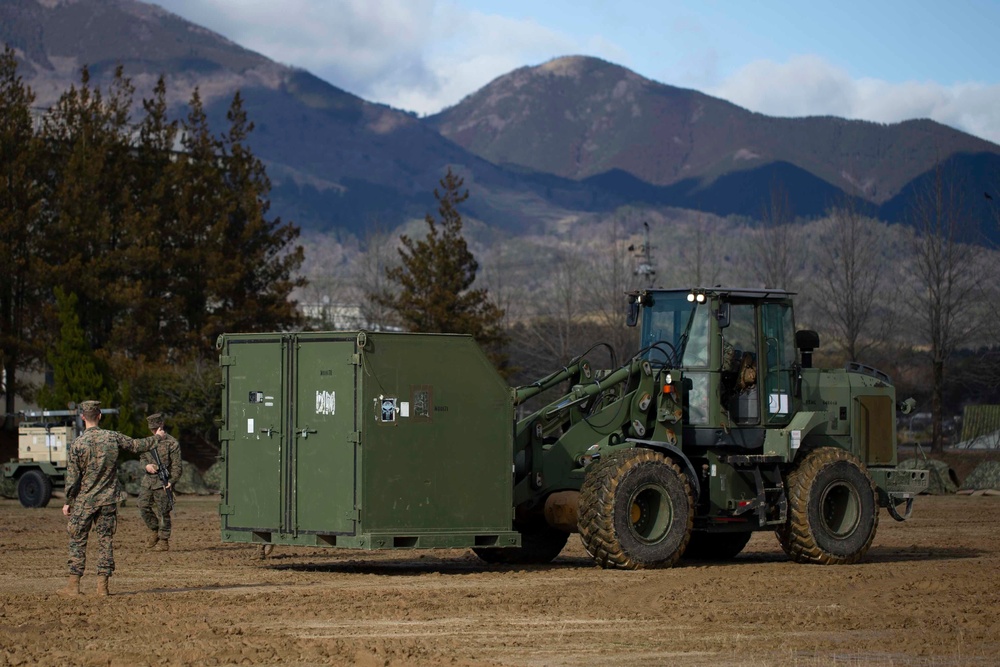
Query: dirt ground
[[927, 594]]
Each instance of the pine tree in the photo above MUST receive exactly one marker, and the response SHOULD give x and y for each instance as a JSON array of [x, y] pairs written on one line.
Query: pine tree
[[191, 239], [20, 216], [250, 287], [77, 373], [150, 256], [91, 208], [435, 279]]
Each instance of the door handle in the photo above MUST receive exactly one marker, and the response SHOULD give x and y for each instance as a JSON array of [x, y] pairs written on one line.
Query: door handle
[[306, 431], [269, 431]]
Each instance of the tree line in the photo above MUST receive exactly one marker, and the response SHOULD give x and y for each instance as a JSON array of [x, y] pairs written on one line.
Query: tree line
[[130, 245]]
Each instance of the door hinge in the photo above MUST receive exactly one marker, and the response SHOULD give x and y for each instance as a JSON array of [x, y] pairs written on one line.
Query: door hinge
[[226, 435], [226, 509], [353, 515], [355, 437], [227, 360]]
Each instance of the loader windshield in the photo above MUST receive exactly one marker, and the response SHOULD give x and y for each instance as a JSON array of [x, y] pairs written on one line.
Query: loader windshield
[[675, 331]]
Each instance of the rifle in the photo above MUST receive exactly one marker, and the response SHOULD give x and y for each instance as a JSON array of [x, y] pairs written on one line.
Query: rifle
[[164, 477]]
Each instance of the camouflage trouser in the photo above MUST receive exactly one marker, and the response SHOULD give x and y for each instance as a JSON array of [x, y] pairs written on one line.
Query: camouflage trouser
[[155, 511], [104, 520]]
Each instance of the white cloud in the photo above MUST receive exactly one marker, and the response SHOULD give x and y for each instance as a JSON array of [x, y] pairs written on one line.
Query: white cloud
[[468, 51], [418, 55], [810, 86]]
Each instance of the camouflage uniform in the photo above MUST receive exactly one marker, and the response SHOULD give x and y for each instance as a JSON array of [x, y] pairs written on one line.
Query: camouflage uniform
[[154, 508], [92, 491]]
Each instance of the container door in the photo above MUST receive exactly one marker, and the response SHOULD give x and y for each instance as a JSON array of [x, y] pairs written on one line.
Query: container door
[[325, 442], [253, 370]]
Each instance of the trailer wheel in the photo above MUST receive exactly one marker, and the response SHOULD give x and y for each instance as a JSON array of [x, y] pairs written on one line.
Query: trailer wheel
[[34, 489], [636, 511], [540, 544], [716, 546], [832, 509]]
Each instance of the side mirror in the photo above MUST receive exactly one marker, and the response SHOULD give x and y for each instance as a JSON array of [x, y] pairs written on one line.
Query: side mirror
[[632, 314], [723, 315]]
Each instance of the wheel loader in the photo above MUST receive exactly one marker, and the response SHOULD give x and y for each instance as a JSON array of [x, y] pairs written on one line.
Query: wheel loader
[[719, 426]]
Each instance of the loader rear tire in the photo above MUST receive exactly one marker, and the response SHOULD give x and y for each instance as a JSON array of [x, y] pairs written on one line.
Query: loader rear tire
[[540, 544], [636, 511], [832, 509], [34, 489], [716, 546]]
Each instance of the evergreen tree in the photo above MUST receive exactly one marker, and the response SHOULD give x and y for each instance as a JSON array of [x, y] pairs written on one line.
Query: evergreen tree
[[161, 251], [91, 208], [149, 257], [20, 210], [251, 287], [199, 205], [435, 279], [77, 373]]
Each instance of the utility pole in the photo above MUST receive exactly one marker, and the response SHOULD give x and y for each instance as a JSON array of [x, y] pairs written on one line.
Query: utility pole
[[644, 259]]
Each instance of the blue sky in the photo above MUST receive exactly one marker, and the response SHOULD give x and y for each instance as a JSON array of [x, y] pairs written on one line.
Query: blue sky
[[879, 60]]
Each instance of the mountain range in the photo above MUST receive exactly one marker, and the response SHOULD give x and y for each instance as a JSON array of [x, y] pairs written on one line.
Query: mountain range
[[575, 137]]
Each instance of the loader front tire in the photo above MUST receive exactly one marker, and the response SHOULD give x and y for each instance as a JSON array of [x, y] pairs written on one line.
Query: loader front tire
[[636, 511], [832, 509]]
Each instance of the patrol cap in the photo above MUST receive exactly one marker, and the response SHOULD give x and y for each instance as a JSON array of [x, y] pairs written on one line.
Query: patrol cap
[[155, 421], [90, 406]]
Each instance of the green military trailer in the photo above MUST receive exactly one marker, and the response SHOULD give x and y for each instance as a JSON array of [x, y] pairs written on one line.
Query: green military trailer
[[716, 428]]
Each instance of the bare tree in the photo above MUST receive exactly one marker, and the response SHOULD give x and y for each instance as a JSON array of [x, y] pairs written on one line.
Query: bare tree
[[378, 253], [498, 272], [852, 276], [704, 265], [327, 295], [945, 272], [774, 251], [551, 333], [605, 288]]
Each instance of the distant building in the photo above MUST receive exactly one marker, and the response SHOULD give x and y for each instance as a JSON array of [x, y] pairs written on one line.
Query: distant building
[[329, 316], [334, 316]]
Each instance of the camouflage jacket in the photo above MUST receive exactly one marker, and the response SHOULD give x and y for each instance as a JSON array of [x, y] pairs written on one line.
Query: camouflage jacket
[[92, 465], [169, 451]]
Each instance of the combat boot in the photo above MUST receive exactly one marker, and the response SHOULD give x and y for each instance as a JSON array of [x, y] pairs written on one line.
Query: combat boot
[[72, 588], [163, 545], [152, 540], [102, 585]]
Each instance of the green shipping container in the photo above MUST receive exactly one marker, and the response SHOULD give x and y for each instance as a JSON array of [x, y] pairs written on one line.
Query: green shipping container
[[364, 440]]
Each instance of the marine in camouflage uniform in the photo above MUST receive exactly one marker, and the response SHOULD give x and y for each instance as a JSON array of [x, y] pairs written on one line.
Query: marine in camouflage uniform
[[154, 507], [92, 494]]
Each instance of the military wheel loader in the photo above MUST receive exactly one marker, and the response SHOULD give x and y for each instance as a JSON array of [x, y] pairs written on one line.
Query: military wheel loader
[[717, 427]]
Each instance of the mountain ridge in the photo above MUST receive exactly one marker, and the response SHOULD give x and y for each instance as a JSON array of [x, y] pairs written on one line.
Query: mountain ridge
[[669, 134], [572, 138]]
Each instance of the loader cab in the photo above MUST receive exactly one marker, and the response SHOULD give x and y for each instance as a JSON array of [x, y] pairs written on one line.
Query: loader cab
[[735, 352]]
